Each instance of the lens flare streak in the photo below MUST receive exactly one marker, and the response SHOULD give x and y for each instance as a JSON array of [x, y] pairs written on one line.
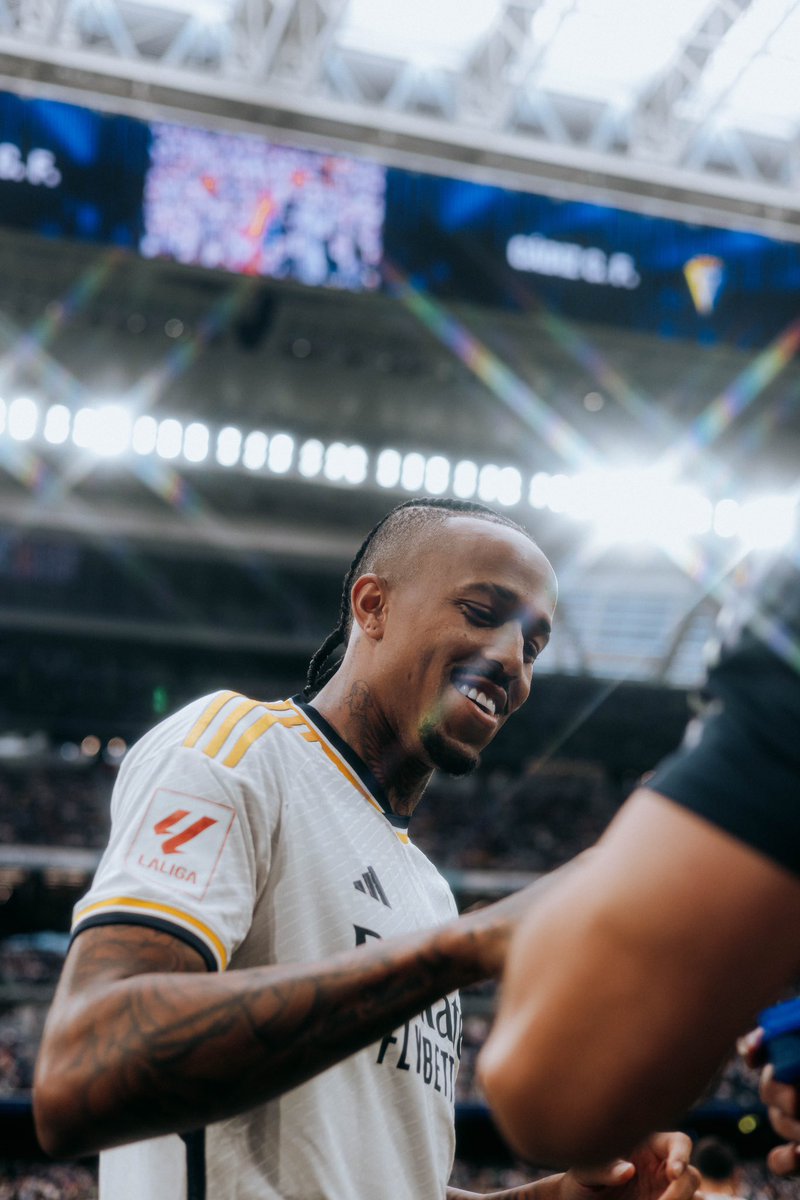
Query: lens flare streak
[[492, 371]]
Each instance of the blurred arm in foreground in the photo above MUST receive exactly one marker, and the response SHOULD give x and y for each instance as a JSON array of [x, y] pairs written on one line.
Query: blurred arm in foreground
[[630, 983]]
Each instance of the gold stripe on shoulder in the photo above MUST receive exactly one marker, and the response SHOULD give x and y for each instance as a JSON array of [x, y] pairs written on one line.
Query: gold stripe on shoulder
[[343, 769], [228, 725], [254, 733], [200, 726]]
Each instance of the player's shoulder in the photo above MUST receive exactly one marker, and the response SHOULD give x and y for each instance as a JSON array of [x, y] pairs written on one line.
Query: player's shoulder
[[222, 726]]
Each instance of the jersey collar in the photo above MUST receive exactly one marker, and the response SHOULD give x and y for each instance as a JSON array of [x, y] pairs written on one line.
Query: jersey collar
[[356, 764]]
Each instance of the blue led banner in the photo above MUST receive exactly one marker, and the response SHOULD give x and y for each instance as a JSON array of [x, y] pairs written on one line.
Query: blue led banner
[[69, 172], [238, 203], [464, 241]]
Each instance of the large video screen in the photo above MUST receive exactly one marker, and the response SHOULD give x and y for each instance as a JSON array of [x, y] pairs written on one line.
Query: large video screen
[[242, 204], [467, 241], [69, 172], [239, 203]]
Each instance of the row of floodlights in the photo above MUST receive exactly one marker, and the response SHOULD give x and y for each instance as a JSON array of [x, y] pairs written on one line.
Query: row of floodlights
[[623, 505], [110, 431]]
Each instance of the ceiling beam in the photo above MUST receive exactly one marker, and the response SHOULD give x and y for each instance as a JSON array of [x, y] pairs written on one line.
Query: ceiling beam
[[151, 91], [658, 129]]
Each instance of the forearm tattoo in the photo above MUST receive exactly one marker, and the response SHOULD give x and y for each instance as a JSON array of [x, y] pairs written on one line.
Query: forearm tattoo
[[167, 1052]]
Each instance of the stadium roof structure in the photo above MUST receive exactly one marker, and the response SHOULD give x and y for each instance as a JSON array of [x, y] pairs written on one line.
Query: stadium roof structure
[[674, 107], [682, 107]]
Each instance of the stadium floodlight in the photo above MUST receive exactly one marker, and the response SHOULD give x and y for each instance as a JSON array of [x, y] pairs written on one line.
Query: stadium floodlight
[[489, 483], [145, 434], [437, 475], [768, 522], [310, 458], [169, 438], [335, 461], [357, 465], [345, 463], [692, 513], [57, 421], [388, 467], [82, 428], [195, 442], [23, 417], [539, 490], [229, 446], [281, 453], [560, 493], [412, 475], [726, 518], [254, 456], [110, 433], [509, 486], [623, 505], [633, 506], [465, 479]]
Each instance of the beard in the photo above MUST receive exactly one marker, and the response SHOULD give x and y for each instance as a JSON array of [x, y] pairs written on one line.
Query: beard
[[447, 757]]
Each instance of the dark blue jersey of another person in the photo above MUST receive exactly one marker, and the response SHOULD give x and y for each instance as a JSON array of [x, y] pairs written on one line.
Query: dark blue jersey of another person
[[629, 985]]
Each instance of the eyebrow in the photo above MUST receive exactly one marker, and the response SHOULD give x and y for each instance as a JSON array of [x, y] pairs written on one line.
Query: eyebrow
[[540, 626]]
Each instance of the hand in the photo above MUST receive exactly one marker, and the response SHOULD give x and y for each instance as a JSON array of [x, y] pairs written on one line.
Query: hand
[[658, 1170], [491, 927], [782, 1101]]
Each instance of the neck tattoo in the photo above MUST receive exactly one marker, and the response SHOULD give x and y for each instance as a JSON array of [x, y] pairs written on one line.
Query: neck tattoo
[[402, 778]]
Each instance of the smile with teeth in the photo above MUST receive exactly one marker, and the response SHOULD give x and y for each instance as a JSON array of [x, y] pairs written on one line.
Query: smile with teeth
[[480, 698]]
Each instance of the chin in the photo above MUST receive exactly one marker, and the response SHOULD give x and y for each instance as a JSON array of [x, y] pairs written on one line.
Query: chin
[[451, 757]]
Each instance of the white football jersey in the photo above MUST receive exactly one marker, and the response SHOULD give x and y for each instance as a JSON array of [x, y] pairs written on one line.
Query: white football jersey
[[255, 834]]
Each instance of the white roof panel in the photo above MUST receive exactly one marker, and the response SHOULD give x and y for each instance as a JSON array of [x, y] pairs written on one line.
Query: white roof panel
[[609, 49]]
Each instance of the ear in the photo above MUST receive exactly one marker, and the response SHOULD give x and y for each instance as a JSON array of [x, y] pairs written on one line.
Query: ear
[[368, 603]]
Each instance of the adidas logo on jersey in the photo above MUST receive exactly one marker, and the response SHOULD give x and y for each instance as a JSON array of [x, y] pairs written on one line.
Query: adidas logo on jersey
[[370, 885]]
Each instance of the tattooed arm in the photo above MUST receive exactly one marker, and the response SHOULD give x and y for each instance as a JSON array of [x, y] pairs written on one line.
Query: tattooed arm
[[140, 1041]]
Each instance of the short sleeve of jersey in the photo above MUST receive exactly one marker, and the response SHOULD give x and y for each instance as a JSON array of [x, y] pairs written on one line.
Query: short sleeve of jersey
[[191, 822], [739, 765]]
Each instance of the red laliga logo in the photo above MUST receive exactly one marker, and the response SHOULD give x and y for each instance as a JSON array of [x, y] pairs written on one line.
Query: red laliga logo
[[183, 848], [173, 845]]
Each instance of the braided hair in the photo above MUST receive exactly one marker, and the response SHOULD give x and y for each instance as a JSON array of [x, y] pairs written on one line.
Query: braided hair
[[404, 519]]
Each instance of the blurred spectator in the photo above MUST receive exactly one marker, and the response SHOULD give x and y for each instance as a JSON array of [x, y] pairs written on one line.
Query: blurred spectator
[[32, 958], [736, 1084], [534, 821], [55, 806], [68, 1181], [20, 1034], [719, 1168]]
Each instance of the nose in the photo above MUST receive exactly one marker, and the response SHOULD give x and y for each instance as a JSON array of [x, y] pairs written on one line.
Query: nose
[[506, 647]]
